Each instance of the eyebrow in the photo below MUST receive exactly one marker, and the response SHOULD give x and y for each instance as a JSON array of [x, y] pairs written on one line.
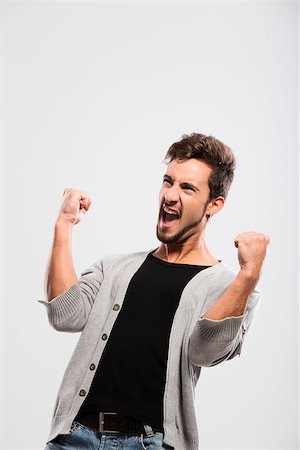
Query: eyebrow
[[183, 183]]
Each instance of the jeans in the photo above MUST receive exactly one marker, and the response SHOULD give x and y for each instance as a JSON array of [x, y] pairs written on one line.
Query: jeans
[[84, 438]]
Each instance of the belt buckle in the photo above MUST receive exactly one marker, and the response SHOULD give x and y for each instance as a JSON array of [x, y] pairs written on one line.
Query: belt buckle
[[101, 423]]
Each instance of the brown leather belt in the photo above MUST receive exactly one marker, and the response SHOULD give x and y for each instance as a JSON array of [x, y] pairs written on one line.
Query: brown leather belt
[[111, 422]]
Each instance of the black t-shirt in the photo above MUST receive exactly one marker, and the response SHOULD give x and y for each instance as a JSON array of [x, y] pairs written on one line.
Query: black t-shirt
[[130, 378]]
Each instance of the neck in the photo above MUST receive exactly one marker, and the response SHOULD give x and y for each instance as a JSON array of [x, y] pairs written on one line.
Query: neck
[[188, 252]]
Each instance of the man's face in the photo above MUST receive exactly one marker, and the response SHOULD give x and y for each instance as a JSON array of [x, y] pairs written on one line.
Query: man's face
[[184, 191]]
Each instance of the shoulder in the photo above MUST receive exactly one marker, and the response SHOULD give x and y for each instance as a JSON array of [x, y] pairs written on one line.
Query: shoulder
[[118, 259], [225, 276], [222, 273], [221, 276]]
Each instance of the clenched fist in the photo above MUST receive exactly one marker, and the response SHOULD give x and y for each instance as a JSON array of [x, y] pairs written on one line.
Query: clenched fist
[[252, 249], [75, 205]]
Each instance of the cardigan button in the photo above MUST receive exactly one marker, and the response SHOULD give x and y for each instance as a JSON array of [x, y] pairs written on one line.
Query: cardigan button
[[104, 336], [82, 393], [116, 307], [92, 367]]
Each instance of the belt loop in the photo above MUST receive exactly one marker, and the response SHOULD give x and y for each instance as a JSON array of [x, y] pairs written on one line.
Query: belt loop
[[148, 430]]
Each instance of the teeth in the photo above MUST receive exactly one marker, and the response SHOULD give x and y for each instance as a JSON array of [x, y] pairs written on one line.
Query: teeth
[[170, 212]]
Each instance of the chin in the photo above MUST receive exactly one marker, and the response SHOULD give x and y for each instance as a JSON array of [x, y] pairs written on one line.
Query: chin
[[165, 239]]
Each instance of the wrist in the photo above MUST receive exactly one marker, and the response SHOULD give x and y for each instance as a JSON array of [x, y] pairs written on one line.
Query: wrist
[[63, 222], [250, 274]]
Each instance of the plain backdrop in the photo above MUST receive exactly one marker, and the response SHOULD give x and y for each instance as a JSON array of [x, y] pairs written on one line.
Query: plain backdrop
[[93, 94]]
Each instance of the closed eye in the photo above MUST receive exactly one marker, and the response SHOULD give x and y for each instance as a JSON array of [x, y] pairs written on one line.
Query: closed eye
[[184, 186], [188, 187]]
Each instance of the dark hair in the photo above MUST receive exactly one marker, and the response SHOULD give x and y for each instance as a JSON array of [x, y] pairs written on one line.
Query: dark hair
[[212, 152]]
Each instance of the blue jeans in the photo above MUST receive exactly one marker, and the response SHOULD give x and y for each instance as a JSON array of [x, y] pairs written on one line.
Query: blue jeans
[[84, 438]]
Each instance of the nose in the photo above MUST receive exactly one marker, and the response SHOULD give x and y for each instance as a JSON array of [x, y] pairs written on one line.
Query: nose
[[171, 195]]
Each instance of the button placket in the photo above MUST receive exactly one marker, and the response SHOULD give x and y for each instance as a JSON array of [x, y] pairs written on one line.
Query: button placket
[[116, 307]]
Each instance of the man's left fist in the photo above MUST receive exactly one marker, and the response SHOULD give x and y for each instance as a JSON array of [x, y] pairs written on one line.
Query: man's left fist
[[252, 249]]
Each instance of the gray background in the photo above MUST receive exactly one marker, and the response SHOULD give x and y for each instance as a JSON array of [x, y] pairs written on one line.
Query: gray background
[[93, 95]]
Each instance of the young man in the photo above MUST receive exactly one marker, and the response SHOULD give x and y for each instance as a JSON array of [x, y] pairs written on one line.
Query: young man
[[150, 320]]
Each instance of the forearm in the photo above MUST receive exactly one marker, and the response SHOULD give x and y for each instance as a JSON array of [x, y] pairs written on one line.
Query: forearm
[[234, 300], [60, 273], [219, 333]]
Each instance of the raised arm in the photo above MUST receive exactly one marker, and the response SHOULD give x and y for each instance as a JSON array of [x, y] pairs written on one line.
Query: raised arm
[[219, 333], [69, 299], [60, 273], [252, 248]]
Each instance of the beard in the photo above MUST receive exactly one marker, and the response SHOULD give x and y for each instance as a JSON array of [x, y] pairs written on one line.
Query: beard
[[177, 236]]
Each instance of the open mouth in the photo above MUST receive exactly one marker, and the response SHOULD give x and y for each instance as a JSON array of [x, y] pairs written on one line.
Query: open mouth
[[169, 217]]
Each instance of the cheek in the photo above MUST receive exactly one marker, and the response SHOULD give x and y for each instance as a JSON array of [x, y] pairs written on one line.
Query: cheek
[[190, 210], [161, 194]]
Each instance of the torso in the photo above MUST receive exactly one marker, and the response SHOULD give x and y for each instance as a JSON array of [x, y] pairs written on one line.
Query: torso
[[131, 375]]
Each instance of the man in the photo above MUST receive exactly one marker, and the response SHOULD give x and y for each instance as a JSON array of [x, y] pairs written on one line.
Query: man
[[150, 320]]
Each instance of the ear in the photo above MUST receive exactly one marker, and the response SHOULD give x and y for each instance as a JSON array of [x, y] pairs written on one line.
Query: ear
[[215, 205]]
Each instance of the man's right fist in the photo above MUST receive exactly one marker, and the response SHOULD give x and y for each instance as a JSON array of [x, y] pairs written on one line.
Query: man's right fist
[[75, 205]]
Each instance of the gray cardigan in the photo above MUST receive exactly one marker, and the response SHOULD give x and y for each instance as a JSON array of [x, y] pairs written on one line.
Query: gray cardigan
[[195, 342]]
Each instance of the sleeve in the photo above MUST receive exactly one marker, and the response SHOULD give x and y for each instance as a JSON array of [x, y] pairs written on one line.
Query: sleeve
[[70, 310], [214, 341]]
